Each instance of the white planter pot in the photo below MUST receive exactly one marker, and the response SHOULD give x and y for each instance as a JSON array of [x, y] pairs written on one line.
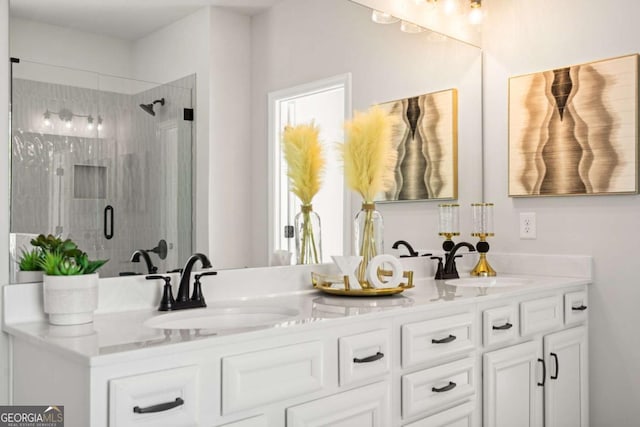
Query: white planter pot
[[28, 276], [70, 300]]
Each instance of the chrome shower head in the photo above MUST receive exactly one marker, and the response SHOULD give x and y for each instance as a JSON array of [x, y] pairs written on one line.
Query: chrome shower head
[[148, 108]]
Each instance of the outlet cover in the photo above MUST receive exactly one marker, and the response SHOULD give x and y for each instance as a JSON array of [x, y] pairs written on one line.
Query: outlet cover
[[528, 225]]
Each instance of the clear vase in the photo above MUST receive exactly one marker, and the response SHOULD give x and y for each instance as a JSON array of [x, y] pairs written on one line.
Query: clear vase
[[368, 230], [308, 242]]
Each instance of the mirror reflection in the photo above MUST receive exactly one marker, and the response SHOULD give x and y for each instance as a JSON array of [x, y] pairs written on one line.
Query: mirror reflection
[[206, 185]]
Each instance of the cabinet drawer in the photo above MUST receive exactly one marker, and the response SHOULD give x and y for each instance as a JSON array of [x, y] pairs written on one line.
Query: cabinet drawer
[[575, 307], [458, 416], [259, 421], [165, 398], [364, 356], [431, 389], [436, 339], [253, 379], [500, 325], [540, 315], [367, 406]]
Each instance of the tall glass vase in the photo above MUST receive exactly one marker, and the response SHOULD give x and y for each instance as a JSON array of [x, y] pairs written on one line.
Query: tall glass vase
[[368, 231], [308, 242]]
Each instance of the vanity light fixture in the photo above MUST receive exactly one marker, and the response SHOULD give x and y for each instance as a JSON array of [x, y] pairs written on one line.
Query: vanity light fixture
[[66, 116], [383, 17]]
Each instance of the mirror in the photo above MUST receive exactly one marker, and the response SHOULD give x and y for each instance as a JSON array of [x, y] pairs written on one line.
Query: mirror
[[238, 57]]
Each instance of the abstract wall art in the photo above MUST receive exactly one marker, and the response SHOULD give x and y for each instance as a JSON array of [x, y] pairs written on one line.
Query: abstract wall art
[[425, 134], [574, 130]]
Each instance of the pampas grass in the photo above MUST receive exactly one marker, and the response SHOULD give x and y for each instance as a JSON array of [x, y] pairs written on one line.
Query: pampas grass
[[368, 153], [305, 160]]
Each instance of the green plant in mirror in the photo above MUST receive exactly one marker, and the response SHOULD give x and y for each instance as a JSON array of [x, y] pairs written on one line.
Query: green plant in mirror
[[30, 259], [63, 257]]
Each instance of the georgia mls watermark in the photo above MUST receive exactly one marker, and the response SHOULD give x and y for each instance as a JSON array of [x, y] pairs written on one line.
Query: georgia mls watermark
[[32, 416]]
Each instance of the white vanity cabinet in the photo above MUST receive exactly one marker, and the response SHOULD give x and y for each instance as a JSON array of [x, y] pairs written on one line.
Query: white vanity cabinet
[[471, 363], [542, 381]]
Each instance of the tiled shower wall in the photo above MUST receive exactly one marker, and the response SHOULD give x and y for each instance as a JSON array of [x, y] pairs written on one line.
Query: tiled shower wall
[[63, 178]]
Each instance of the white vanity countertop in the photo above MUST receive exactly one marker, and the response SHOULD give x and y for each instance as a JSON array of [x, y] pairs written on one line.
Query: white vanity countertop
[[122, 335]]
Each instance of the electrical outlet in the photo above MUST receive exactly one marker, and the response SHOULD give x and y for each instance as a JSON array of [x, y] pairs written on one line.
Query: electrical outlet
[[528, 225]]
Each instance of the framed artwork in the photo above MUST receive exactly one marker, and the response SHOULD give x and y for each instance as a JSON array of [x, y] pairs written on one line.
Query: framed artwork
[[425, 134], [574, 130]]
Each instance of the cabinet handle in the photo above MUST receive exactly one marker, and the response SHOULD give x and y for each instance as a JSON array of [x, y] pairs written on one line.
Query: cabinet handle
[[555, 356], [159, 408], [448, 387], [544, 372], [581, 308], [369, 359], [503, 327], [444, 340]]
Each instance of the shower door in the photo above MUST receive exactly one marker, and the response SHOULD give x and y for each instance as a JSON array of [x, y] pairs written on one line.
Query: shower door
[[89, 164]]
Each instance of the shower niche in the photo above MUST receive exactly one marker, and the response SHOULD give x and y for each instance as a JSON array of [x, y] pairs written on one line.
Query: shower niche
[[103, 160]]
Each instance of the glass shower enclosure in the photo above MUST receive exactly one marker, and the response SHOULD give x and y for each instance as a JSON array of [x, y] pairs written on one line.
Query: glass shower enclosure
[[103, 160]]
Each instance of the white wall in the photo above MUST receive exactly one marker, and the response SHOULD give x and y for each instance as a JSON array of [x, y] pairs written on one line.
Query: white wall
[[522, 37], [4, 191], [66, 47], [302, 41]]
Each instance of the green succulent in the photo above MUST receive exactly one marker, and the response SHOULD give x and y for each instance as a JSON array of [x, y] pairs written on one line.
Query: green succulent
[[30, 259], [63, 257]]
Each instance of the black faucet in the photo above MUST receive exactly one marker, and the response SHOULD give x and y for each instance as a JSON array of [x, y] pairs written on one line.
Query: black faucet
[[412, 253], [135, 257], [183, 291], [450, 271]]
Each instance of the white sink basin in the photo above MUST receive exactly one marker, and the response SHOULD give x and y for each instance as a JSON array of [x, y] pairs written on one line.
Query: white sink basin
[[221, 318], [487, 282]]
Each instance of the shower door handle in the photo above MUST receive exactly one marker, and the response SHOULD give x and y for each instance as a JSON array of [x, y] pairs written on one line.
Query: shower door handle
[[108, 222]]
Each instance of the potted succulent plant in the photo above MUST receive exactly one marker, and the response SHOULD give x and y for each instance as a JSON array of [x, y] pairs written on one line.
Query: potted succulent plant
[[70, 282], [29, 270]]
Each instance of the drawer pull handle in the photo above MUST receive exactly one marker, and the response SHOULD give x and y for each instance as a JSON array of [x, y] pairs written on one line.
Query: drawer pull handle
[[159, 408], [581, 308], [555, 356], [503, 327], [369, 359], [448, 387], [544, 372], [444, 340]]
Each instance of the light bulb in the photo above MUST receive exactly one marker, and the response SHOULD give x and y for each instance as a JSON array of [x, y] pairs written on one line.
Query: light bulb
[[90, 122], [475, 16], [449, 7], [99, 123], [383, 17], [47, 118], [67, 124]]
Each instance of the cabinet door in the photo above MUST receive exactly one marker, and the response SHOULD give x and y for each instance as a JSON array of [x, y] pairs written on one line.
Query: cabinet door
[[566, 394], [361, 407], [512, 396]]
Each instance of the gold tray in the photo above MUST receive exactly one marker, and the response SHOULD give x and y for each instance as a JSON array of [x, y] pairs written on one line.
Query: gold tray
[[324, 283]]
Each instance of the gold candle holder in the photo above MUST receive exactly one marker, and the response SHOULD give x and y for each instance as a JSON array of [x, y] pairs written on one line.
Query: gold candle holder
[[482, 216], [483, 268]]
